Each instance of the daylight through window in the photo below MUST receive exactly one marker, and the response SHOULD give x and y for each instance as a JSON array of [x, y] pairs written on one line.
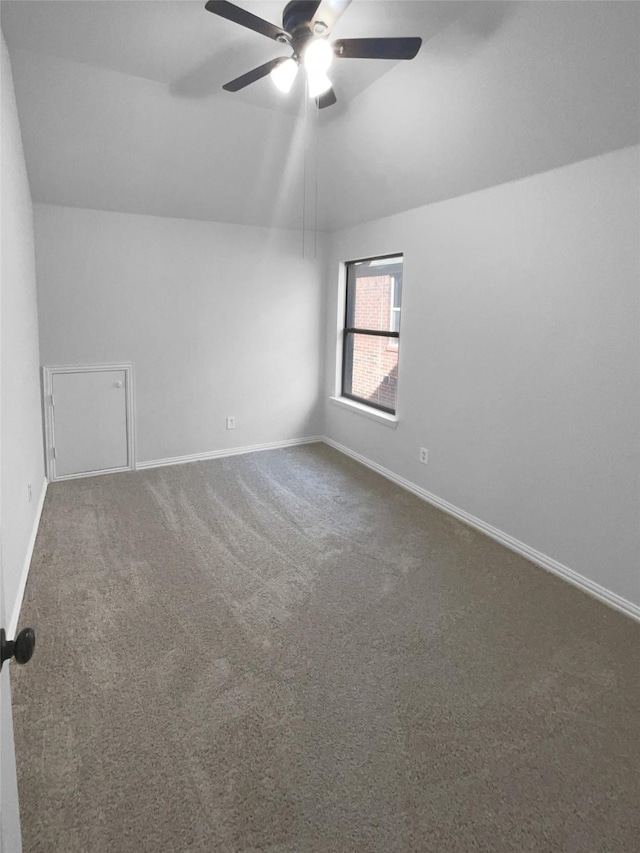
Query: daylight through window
[[372, 331]]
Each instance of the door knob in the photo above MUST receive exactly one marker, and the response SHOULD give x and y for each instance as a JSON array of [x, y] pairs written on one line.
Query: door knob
[[21, 648]]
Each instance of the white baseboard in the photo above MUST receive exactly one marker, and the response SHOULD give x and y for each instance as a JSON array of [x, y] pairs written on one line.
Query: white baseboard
[[218, 454], [548, 563], [17, 605], [85, 474]]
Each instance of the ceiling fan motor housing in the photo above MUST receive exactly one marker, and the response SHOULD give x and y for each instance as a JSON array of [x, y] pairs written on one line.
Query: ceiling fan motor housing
[[296, 19]]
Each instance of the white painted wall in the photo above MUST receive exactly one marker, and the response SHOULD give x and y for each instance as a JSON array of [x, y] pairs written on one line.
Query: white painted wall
[[519, 360], [218, 320], [21, 428], [21, 448]]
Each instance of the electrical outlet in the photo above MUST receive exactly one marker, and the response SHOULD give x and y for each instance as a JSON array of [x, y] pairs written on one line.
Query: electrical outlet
[[424, 455], [231, 423], [29, 491]]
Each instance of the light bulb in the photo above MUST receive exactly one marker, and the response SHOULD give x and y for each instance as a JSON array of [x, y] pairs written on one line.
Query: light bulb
[[318, 83], [284, 74], [318, 56]]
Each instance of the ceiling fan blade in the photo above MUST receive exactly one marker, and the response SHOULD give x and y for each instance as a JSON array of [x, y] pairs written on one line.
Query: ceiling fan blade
[[246, 19], [326, 99], [378, 48], [328, 12], [256, 74]]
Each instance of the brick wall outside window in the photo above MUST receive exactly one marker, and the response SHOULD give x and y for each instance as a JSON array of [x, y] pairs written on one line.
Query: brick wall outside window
[[375, 359]]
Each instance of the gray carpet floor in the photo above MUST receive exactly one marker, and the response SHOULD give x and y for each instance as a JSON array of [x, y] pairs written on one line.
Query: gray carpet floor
[[285, 652]]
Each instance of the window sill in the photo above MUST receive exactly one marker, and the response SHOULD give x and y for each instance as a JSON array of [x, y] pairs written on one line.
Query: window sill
[[368, 412]]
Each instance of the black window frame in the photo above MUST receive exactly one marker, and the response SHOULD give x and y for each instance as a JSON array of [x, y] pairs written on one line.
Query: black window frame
[[349, 302]]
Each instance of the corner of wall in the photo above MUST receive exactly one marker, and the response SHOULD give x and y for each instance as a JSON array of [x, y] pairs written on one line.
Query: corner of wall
[[21, 430]]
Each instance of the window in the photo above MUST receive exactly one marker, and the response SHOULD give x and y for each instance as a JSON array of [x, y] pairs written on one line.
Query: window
[[372, 332]]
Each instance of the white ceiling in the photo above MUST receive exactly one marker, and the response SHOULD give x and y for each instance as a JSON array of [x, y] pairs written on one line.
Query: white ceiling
[[121, 105]]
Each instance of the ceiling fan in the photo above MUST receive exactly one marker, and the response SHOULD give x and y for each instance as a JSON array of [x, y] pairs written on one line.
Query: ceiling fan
[[306, 25]]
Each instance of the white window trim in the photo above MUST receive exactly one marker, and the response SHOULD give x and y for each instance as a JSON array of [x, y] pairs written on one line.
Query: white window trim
[[367, 411], [393, 310]]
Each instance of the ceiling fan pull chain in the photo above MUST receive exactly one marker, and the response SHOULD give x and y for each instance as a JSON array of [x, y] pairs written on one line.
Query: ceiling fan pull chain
[[315, 215], [304, 168]]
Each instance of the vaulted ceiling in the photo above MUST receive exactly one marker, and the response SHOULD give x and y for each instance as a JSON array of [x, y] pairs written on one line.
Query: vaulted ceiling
[[121, 106]]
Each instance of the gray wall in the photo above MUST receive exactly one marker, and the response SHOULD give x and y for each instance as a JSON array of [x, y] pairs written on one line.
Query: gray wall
[[218, 320], [519, 360], [21, 428], [21, 448]]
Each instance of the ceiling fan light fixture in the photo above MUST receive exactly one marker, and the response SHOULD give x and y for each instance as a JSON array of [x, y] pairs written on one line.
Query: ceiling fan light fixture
[[318, 82], [318, 56], [284, 74]]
